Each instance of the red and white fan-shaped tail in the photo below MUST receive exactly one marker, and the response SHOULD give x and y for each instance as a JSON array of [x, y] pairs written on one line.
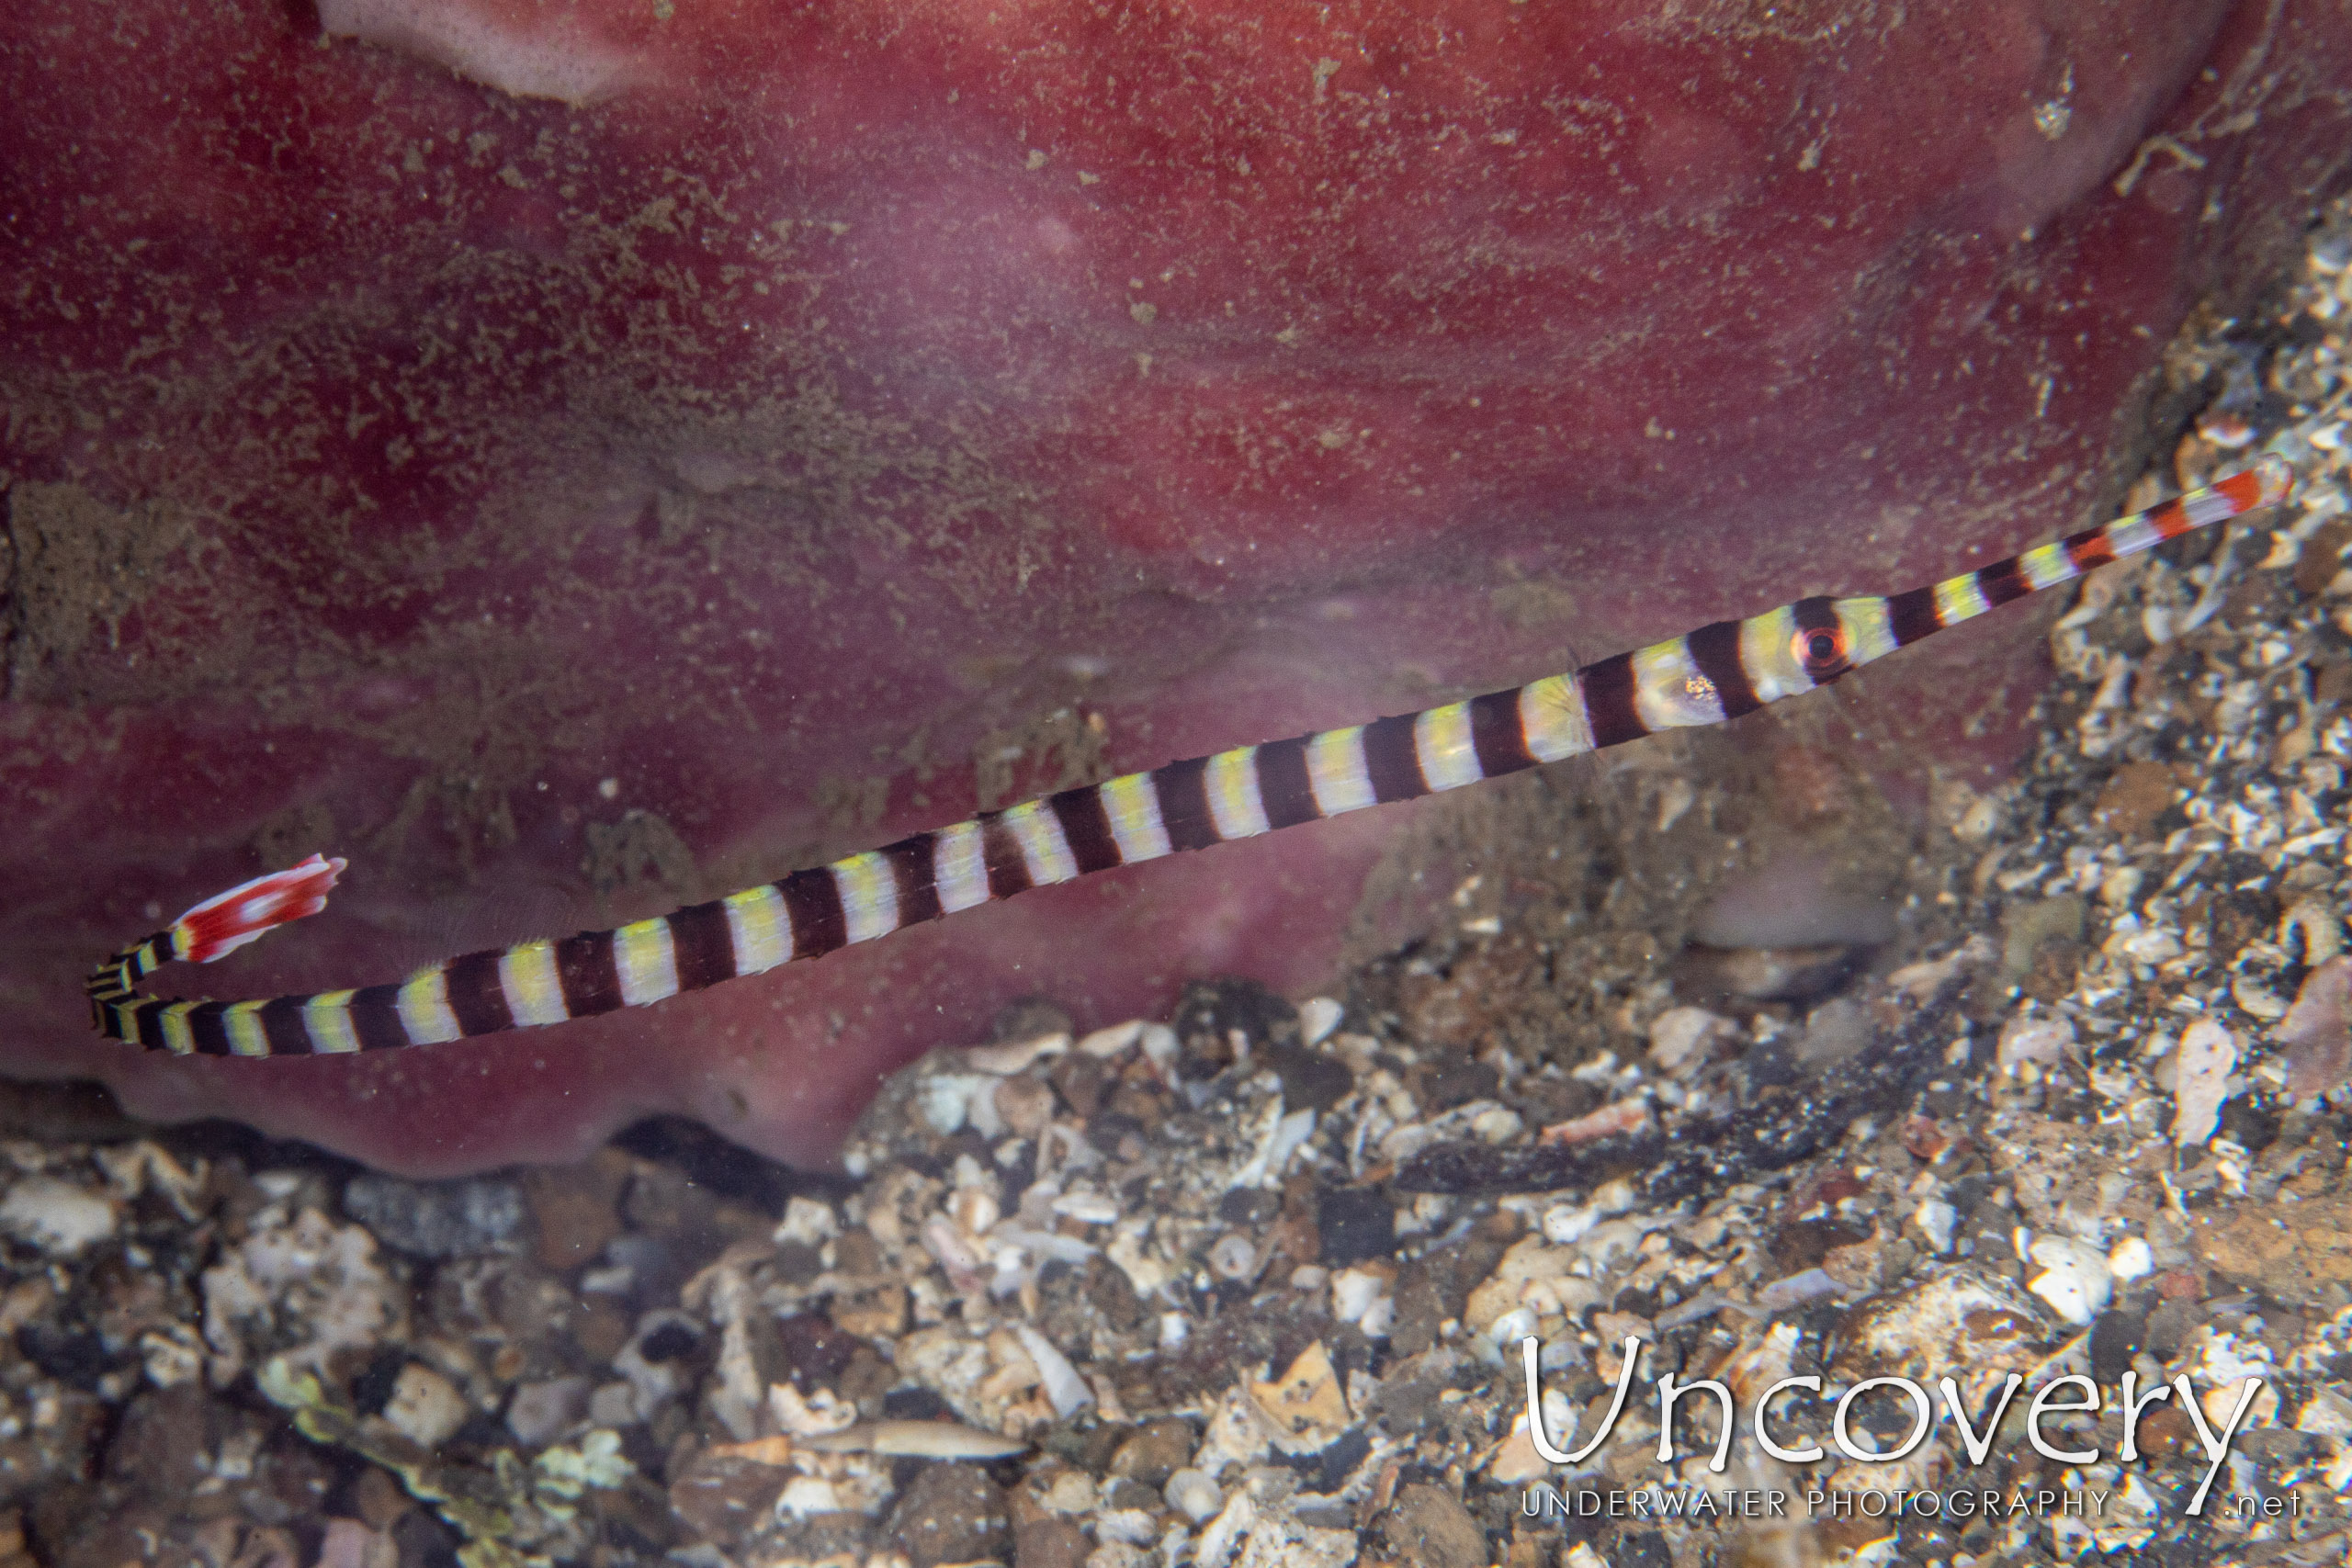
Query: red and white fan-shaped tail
[[226, 921]]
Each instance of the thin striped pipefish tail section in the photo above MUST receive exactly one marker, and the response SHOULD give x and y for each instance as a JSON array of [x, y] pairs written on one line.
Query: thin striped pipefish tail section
[[1714, 673]]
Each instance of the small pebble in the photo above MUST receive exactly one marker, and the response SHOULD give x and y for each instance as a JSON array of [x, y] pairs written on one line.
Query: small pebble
[[2327, 1413], [1024, 1104], [539, 1412], [1614, 1196], [1353, 1293], [945, 1098], [56, 1216], [1682, 1037], [1503, 1335], [440, 1219], [2314, 1031], [1937, 1219], [349, 1543], [1050, 1540], [1836, 1031], [807, 1222], [1191, 1494], [614, 1405], [425, 1407], [1232, 1257], [1567, 1222], [1156, 1453], [572, 1214], [1072, 1491], [2033, 1039], [806, 1497], [1496, 1124], [722, 1497], [952, 1513], [1160, 1047]]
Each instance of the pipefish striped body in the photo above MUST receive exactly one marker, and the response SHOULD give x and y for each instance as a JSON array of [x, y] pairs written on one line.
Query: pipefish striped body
[[1714, 673]]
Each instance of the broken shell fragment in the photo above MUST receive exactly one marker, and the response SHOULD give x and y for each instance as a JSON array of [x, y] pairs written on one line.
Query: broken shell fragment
[[2042, 1041], [917, 1439], [1770, 974], [2208, 1055], [1683, 1037], [1064, 1387], [1089, 1208], [2075, 1279], [775, 1452], [1305, 1410], [1619, 1117]]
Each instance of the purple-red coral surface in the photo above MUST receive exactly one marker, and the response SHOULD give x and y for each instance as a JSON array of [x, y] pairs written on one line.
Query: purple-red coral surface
[[572, 458]]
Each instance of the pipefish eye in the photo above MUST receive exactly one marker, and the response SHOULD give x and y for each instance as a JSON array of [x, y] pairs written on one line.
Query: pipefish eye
[[1819, 648]]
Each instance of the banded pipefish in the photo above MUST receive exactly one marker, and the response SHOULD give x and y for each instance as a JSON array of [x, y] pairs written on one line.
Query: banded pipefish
[[1717, 673]]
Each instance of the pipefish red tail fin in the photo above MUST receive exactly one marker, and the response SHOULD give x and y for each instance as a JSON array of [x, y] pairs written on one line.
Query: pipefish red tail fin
[[1717, 673], [217, 927]]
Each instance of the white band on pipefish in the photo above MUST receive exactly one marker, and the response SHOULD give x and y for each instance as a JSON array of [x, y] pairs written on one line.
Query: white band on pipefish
[[1717, 673]]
